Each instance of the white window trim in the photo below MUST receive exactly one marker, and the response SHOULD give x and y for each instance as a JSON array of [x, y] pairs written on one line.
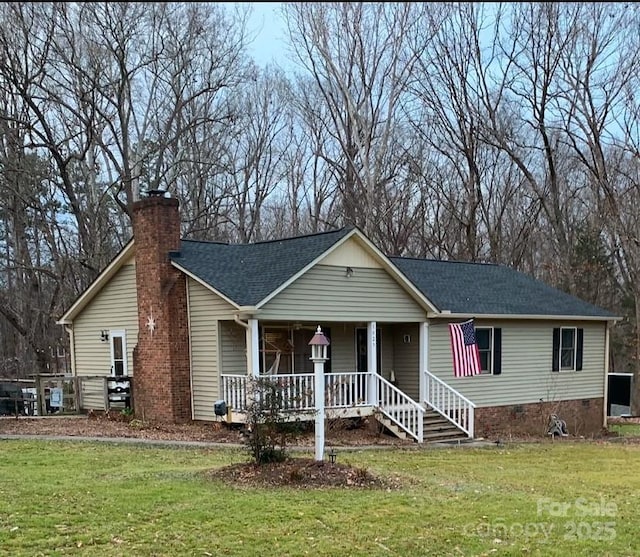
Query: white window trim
[[575, 350], [125, 364], [491, 350]]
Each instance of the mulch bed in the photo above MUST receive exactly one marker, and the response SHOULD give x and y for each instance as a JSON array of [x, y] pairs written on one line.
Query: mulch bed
[[300, 473]]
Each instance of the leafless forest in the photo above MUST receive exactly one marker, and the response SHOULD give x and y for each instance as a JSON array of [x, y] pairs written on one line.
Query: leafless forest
[[483, 132]]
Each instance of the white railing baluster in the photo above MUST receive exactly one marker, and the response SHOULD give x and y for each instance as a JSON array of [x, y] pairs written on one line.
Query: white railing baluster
[[234, 389], [400, 408], [451, 404]]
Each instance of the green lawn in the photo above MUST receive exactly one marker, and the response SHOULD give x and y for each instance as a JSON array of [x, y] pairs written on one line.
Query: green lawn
[[562, 498], [626, 430]]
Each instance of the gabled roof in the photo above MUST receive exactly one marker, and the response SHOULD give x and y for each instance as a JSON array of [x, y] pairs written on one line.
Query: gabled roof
[[100, 281], [248, 273], [251, 274], [489, 289]]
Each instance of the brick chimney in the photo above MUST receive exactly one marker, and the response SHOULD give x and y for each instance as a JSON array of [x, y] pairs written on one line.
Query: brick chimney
[[161, 385]]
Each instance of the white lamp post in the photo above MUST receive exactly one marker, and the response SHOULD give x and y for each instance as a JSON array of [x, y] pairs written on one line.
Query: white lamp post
[[319, 344]]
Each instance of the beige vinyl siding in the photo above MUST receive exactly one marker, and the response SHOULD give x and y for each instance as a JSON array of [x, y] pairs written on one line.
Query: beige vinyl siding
[[115, 307], [343, 347], [326, 293], [387, 350], [351, 254], [526, 365], [205, 309], [406, 359], [233, 348]]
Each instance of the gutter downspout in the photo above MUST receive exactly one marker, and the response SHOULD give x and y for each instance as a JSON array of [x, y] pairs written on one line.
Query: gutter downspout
[[193, 408]]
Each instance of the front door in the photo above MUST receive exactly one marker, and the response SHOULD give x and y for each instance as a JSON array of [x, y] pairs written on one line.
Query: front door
[[362, 351], [118, 353]]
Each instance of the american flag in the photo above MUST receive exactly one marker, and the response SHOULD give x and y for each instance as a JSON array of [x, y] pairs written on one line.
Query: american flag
[[464, 348]]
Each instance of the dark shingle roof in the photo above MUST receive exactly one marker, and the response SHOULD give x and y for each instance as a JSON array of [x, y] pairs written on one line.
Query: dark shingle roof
[[476, 288], [247, 273]]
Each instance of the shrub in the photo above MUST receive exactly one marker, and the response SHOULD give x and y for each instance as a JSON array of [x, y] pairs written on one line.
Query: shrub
[[269, 426]]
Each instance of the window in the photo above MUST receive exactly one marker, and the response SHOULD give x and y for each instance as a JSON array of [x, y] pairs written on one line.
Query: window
[[567, 349], [484, 337], [489, 341], [285, 350], [276, 351]]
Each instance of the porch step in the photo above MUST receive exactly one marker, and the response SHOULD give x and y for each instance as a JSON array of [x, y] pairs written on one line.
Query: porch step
[[436, 428], [393, 428]]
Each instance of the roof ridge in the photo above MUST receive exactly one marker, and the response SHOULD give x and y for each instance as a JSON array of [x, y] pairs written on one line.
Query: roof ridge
[[205, 241], [300, 236], [446, 261]]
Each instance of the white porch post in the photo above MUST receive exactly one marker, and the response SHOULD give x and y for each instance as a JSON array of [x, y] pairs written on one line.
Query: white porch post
[[372, 363], [253, 353], [424, 360]]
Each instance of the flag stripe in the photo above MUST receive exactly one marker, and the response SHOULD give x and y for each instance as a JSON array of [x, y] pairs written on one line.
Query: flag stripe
[[464, 349]]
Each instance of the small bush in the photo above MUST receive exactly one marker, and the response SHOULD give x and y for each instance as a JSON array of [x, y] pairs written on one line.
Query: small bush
[[269, 428]]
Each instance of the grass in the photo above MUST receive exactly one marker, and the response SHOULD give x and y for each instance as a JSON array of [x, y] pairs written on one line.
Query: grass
[[562, 498], [626, 430]]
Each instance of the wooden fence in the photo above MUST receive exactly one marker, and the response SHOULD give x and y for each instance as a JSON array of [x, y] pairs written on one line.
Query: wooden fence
[[63, 394]]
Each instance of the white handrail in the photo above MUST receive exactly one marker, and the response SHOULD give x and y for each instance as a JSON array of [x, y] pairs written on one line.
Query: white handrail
[[400, 408], [448, 402]]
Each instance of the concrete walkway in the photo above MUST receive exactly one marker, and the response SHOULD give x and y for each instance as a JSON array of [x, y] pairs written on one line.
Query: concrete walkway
[[216, 445]]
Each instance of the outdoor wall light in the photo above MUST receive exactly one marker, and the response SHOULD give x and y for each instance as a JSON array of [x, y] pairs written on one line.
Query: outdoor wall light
[[349, 272], [104, 335]]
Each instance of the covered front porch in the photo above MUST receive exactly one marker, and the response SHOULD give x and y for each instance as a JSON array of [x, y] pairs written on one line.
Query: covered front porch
[[378, 369]]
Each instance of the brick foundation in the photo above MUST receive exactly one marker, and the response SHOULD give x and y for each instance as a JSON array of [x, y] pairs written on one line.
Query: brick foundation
[[583, 417], [161, 379]]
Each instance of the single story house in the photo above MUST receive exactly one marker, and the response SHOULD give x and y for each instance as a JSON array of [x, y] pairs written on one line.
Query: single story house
[[192, 321]]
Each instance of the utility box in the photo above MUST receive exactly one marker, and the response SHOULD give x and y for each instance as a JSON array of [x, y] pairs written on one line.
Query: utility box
[[220, 408]]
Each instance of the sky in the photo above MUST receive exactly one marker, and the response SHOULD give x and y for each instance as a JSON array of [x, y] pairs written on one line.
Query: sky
[[269, 44]]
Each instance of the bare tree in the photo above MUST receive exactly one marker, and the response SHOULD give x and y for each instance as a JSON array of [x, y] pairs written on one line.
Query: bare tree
[[357, 57]]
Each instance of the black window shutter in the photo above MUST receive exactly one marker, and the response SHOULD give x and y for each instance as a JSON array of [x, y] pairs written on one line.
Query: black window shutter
[[556, 350], [579, 348], [497, 351]]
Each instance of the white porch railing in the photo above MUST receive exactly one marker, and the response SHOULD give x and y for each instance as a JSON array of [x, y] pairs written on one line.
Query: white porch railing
[[296, 390], [346, 389], [400, 408], [342, 390], [448, 402], [234, 391]]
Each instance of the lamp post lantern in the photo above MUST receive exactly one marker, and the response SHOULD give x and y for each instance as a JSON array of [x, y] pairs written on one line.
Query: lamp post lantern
[[319, 344]]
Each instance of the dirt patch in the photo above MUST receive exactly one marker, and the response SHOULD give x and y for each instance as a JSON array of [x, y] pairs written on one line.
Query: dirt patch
[[339, 433], [300, 472], [113, 426]]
